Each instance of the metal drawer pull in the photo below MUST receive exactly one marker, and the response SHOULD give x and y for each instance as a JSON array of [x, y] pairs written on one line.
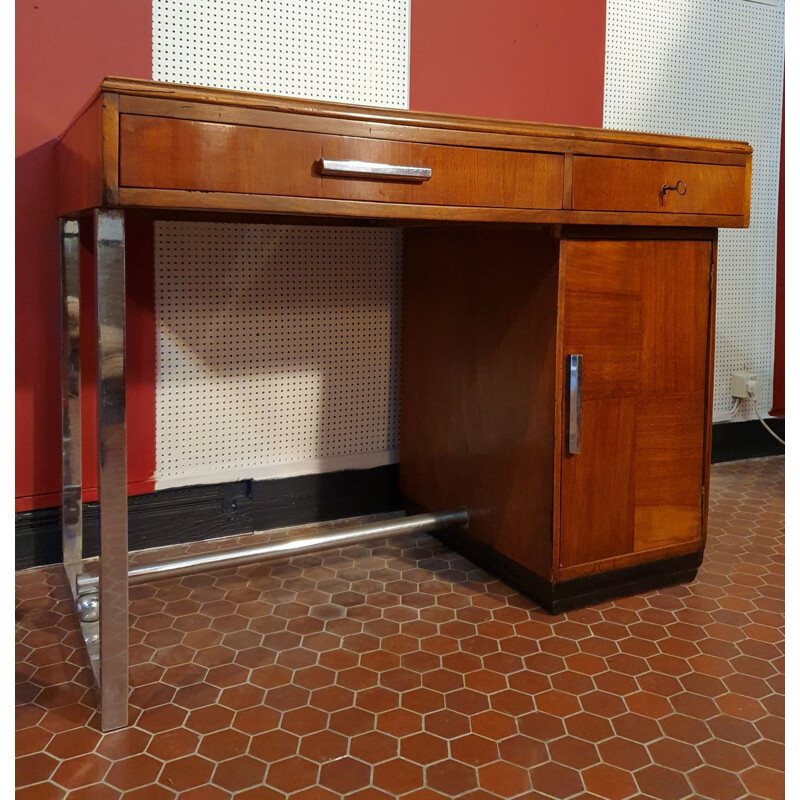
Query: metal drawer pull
[[679, 187], [369, 169], [575, 378]]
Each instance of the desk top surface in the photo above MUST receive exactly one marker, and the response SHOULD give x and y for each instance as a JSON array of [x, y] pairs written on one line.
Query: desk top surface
[[345, 111]]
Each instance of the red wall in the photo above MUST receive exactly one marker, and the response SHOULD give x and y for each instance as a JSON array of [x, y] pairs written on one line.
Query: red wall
[[518, 59], [63, 51], [522, 59]]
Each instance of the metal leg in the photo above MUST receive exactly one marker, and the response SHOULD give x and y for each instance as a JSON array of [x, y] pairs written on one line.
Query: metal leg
[[112, 468], [71, 514], [71, 478]]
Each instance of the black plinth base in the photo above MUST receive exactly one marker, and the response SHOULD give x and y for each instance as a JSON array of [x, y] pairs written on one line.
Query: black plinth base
[[578, 592]]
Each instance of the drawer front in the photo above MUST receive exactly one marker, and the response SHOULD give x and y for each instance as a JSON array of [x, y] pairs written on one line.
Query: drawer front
[[620, 184], [460, 176], [165, 153]]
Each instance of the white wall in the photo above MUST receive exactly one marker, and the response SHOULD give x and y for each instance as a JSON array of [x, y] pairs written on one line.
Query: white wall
[[713, 68], [278, 346]]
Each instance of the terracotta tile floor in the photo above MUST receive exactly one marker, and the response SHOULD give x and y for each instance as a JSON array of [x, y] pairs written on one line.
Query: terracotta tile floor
[[404, 671]]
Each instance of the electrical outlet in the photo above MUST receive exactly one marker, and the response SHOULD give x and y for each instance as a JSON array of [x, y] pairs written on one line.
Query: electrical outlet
[[739, 383]]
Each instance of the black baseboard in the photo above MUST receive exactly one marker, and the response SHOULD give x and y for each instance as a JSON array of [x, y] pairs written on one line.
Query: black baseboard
[[174, 516], [733, 441], [580, 592]]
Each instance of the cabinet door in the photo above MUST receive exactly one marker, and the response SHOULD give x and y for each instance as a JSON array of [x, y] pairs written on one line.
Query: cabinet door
[[638, 312]]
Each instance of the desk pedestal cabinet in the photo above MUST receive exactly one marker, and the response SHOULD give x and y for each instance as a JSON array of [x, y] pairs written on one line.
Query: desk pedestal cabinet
[[493, 320], [558, 302]]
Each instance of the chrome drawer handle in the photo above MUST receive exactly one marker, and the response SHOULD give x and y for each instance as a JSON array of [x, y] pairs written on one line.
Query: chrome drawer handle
[[679, 187], [370, 169], [575, 380]]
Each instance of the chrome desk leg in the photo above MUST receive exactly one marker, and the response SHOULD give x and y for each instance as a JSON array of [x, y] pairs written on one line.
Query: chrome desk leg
[[71, 514], [71, 477], [112, 468]]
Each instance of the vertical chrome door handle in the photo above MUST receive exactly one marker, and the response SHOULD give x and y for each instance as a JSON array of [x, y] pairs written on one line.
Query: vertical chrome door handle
[[574, 429]]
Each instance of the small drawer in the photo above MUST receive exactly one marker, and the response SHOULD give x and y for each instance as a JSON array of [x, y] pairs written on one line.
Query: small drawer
[[189, 155], [625, 184]]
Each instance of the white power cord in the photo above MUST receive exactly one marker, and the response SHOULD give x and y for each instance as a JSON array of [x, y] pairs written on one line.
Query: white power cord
[[752, 386]]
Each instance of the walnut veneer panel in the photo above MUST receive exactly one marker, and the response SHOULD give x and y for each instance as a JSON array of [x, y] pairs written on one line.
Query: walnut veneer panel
[[673, 400], [80, 162], [639, 313], [478, 383], [296, 107], [597, 485], [465, 176], [87, 156], [237, 158], [619, 184], [164, 153], [185, 147]]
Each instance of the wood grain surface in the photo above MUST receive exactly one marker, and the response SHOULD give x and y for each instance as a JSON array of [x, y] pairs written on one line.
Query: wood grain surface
[[638, 312], [404, 131], [164, 153], [111, 137], [616, 184], [238, 158], [179, 148], [79, 156], [478, 392], [289, 105], [465, 176], [303, 207]]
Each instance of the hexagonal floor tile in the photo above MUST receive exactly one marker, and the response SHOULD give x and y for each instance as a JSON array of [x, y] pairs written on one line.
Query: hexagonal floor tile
[[401, 669]]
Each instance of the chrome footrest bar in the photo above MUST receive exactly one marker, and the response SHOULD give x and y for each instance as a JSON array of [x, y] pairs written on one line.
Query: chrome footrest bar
[[87, 583], [101, 598]]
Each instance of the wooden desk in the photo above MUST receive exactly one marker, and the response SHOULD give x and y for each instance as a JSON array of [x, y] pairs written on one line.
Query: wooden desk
[[558, 315]]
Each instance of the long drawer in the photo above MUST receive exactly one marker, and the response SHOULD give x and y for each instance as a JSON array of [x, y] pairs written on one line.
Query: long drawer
[[169, 153], [671, 187]]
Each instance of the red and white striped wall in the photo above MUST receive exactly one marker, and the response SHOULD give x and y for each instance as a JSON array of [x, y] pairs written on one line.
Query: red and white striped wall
[[521, 59]]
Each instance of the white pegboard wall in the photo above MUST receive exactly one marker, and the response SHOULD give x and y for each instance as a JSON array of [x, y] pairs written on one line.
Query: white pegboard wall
[[354, 51], [713, 68], [253, 379], [280, 360]]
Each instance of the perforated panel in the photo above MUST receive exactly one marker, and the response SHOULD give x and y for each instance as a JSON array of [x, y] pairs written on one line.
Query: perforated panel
[[278, 346], [712, 68], [342, 50], [280, 355]]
